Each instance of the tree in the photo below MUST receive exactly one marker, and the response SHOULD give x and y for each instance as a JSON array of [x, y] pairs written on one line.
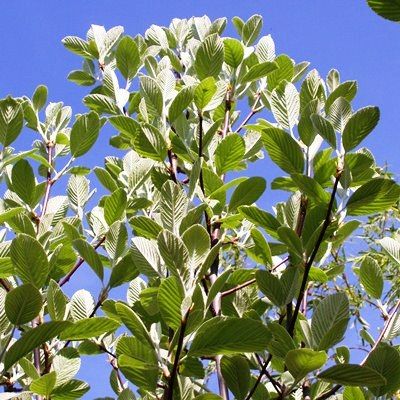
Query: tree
[[216, 285]]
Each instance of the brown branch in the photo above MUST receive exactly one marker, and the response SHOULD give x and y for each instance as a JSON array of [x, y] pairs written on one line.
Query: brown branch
[[260, 375], [310, 261], [173, 161], [80, 261], [169, 391], [254, 110], [6, 286]]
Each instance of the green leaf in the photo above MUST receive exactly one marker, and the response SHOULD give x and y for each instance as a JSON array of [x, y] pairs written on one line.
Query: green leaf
[[252, 29], [283, 150], [385, 359], [23, 304], [339, 113], [258, 71], [295, 246], [379, 194], [116, 240], [260, 218], [204, 92], [197, 242], [346, 90], [84, 133], [272, 287], [56, 301], [209, 57], [392, 248], [173, 205], [247, 192], [359, 126], [285, 71], [300, 362], [265, 49], [23, 182], [236, 373], [39, 97], [226, 336], [127, 57], [281, 342], [30, 260], [352, 375], [371, 277], [150, 143], [115, 206], [285, 105], [134, 323], [229, 153], [146, 227], [353, 393], [233, 52], [170, 298], [81, 78], [32, 339], [78, 46], [45, 384], [330, 319], [11, 120], [88, 328], [152, 94], [126, 125], [81, 305], [324, 128], [88, 253], [66, 363], [180, 103], [217, 286], [261, 249], [74, 389], [141, 374], [6, 215], [389, 9], [311, 188], [173, 251], [123, 271], [101, 104]]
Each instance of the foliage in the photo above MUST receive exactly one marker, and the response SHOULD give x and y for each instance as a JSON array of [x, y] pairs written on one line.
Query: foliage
[[389, 9], [215, 285]]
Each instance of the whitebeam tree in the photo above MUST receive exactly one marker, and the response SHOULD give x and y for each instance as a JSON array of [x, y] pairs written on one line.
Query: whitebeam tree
[[224, 299]]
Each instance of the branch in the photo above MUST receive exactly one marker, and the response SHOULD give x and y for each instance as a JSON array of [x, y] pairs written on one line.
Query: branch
[[254, 110], [173, 160], [6, 286], [260, 375], [80, 261], [310, 261], [59, 174], [171, 381]]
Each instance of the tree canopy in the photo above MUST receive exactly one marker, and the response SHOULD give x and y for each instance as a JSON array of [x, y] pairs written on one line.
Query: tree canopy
[[224, 299]]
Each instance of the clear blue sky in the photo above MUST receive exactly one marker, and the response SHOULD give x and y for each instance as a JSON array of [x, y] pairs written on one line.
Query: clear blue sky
[[344, 34]]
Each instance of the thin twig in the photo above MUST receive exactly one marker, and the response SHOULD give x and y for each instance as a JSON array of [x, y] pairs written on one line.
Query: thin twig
[[80, 261], [173, 161], [252, 112], [6, 286], [174, 372], [260, 375], [59, 174], [310, 261]]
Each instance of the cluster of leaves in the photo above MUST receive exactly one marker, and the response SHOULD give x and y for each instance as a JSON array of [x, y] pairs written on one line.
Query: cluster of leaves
[[215, 284]]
